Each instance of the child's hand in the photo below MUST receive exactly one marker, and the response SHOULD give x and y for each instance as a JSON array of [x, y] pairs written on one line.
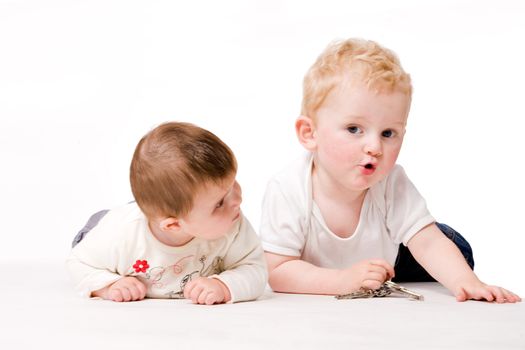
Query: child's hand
[[125, 289], [370, 274], [207, 291], [478, 290]]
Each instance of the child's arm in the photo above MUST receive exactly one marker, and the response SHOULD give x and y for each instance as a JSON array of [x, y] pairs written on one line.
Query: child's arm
[[86, 274], [203, 290], [97, 268], [245, 274], [443, 261], [291, 275], [93, 281], [125, 289]]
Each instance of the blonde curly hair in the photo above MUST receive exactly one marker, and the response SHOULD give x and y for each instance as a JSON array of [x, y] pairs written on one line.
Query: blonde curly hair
[[363, 61]]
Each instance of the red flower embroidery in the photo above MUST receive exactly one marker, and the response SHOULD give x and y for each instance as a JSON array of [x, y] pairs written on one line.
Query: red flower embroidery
[[141, 266]]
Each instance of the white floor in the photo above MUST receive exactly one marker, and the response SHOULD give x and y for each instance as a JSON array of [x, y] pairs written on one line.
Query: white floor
[[38, 310]]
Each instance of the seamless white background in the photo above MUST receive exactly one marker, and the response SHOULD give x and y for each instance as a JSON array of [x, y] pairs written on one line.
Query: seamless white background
[[82, 81]]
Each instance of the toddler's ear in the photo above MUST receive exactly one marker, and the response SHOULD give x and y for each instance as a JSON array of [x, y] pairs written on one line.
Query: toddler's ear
[[169, 224], [305, 130]]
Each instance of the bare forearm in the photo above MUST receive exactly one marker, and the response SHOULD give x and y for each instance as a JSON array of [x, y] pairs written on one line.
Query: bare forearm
[[440, 257], [443, 260], [297, 276]]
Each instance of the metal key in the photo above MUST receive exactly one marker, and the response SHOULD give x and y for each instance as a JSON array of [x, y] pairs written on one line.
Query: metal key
[[386, 289], [402, 290], [382, 291], [361, 293]]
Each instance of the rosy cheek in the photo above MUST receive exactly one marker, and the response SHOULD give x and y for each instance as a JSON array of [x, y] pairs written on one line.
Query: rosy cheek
[[334, 151], [343, 153]]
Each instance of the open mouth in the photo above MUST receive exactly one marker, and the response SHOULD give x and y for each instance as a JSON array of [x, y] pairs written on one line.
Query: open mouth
[[368, 169]]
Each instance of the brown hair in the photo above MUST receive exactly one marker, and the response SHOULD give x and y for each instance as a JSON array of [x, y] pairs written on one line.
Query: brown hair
[[364, 60], [172, 162]]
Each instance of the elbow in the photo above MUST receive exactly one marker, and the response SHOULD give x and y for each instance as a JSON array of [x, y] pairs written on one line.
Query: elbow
[[277, 279], [278, 271], [275, 283]]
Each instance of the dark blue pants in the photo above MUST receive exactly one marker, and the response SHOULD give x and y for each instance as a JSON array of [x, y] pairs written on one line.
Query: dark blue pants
[[408, 269]]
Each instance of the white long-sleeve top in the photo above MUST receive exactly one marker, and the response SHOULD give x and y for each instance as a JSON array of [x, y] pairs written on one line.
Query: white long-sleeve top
[[121, 244]]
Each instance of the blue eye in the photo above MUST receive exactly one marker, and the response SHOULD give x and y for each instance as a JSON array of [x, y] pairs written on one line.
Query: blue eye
[[387, 133], [353, 129]]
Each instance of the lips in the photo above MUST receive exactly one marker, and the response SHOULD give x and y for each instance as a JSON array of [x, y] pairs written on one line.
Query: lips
[[368, 169]]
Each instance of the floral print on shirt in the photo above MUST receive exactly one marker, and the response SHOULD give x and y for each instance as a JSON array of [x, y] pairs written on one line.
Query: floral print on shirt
[[157, 276]]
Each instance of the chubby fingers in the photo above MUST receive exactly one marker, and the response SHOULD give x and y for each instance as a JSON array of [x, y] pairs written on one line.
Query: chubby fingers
[[208, 297], [204, 291], [138, 291], [482, 293], [374, 278], [212, 298], [461, 295], [385, 266], [201, 298], [488, 293], [127, 290], [193, 290], [115, 294], [503, 295], [377, 272], [511, 297]]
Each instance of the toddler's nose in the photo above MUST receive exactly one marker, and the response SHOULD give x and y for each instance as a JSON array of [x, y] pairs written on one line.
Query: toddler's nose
[[237, 195], [373, 147], [374, 153]]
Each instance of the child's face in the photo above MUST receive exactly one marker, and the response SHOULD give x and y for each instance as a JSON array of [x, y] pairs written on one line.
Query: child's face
[[215, 209], [358, 135]]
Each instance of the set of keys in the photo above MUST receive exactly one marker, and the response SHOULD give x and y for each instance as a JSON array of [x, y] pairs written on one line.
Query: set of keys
[[386, 289]]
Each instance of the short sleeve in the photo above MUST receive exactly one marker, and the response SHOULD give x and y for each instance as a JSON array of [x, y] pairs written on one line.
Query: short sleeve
[[282, 224], [406, 209]]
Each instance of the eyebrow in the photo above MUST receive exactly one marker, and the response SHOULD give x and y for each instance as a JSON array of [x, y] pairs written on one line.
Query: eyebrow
[[359, 118], [399, 124]]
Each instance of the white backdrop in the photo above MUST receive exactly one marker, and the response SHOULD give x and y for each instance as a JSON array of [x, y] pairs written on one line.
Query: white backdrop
[[82, 81]]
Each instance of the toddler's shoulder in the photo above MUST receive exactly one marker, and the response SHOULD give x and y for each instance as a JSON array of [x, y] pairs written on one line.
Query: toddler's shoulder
[[120, 221], [294, 170], [397, 173], [384, 191], [294, 178], [124, 214]]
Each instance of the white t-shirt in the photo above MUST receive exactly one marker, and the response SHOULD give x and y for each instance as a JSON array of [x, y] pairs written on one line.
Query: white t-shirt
[[121, 244], [292, 224]]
